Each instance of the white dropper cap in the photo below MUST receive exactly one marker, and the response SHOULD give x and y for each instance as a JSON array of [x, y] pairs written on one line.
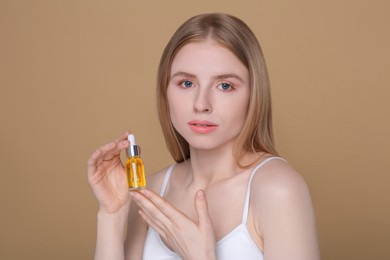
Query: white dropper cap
[[131, 139], [134, 150]]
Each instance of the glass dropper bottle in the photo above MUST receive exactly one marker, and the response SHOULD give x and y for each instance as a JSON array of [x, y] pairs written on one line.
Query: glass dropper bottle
[[134, 166]]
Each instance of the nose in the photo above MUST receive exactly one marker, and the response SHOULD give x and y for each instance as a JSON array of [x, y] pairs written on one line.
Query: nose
[[202, 102]]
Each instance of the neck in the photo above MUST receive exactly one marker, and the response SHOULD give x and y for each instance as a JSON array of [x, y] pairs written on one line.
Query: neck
[[207, 167]]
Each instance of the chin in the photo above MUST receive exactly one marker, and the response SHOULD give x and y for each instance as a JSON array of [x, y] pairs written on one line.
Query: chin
[[208, 144], [207, 141]]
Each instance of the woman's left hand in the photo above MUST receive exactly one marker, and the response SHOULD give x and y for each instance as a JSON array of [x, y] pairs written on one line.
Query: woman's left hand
[[189, 238]]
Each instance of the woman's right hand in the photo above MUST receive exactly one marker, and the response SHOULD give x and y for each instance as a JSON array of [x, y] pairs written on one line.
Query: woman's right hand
[[107, 176]]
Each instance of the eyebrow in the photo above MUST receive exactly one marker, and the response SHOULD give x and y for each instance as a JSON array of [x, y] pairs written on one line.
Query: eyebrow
[[222, 76], [182, 73]]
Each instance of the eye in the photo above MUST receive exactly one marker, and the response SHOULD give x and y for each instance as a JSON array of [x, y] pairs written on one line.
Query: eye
[[187, 84], [225, 86]]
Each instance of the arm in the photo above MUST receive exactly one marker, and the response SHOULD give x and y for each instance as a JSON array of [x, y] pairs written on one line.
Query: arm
[[111, 234], [283, 214], [107, 180]]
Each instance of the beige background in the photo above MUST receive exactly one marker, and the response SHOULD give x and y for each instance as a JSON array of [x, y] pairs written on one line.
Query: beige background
[[75, 74]]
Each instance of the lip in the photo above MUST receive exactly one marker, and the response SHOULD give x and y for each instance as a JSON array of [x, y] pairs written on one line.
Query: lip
[[202, 127]]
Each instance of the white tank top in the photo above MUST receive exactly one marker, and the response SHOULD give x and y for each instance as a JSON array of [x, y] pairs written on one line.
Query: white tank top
[[237, 244]]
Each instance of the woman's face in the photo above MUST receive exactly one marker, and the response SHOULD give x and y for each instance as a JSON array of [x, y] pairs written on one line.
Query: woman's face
[[208, 94]]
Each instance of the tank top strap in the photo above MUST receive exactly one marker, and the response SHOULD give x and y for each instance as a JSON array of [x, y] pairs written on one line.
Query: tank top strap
[[166, 180], [248, 190]]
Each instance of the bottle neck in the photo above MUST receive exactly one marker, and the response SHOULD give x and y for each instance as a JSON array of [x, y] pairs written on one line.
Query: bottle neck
[[133, 151]]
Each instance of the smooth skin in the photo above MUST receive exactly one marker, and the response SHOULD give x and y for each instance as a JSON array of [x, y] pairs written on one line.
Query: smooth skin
[[205, 196]]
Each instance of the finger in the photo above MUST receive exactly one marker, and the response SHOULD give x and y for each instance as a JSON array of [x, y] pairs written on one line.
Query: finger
[[92, 164], [123, 136], [107, 149], [113, 149], [153, 224], [153, 213], [94, 156], [202, 208], [166, 208]]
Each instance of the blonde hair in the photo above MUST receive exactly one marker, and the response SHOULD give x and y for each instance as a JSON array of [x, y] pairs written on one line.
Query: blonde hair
[[234, 34]]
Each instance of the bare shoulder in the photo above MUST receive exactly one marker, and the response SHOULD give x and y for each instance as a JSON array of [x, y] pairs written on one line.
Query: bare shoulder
[[278, 179], [283, 213], [155, 180]]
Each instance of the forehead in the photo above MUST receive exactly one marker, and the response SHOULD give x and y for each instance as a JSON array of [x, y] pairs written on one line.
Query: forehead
[[207, 56]]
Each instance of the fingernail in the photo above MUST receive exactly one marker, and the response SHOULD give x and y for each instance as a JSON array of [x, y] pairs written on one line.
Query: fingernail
[[200, 194]]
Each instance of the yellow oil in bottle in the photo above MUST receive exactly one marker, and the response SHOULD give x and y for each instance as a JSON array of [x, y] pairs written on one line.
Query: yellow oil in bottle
[[134, 166], [135, 173]]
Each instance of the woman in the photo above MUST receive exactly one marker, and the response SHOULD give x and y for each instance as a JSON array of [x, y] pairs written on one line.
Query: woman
[[229, 196]]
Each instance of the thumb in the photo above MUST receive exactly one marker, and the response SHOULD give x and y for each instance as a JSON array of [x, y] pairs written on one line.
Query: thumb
[[202, 208]]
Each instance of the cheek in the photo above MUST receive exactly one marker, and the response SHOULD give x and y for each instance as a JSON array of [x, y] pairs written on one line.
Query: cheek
[[242, 113], [172, 100]]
